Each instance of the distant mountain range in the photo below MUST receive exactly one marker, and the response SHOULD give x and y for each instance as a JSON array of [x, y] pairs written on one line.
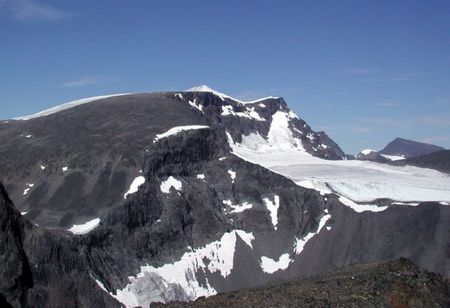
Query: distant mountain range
[[408, 152]]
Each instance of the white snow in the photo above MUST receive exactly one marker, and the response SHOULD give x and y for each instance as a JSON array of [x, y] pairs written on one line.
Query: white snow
[[406, 203], [177, 129], [215, 257], [273, 207], [237, 208], [262, 105], [232, 175], [359, 208], [195, 105], [64, 169], [134, 187], [328, 228], [27, 190], [28, 136], [300, 243], [222, 158], [66, 106], [250, 113], [179, 95], [393, 157], [42, 167], [201, 176], [444, 203], [205, 88], [359, 181], [23, 213], [270, 266], [169, 183], [86, 227], [367, 151]]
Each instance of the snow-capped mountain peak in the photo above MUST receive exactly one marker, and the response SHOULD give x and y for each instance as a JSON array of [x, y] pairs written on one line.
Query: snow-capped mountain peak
[[205, 88]]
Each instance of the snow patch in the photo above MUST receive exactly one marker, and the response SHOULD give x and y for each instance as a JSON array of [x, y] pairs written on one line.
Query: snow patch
[[66, 106], [43, 167], [237, 208], [175, 130], [23, 213], [205, 88], [393, 157], [250, 113], [232, 175], [217, 256], [195, 105], [201, 176], [299, 244], [273, 209], [86, 227], [270, 266], [134, 187], [367, 151], [359, 208], [64, 169], [169, 183]]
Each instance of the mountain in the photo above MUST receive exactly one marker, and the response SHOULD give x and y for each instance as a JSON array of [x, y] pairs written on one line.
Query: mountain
[[72, 162], [371, 155], [437, 160], [408, 148], [143, 198], [394, 284]]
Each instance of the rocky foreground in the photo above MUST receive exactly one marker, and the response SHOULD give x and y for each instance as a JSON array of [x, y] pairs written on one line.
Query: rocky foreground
[[395, 284]]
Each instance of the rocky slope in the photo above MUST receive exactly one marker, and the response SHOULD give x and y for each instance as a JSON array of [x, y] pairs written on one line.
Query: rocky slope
[[437, 160], [64, 168], [394, 284], [164, 209]]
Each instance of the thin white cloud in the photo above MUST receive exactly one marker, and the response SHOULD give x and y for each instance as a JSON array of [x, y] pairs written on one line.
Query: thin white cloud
[[32, 11], [87, 81]]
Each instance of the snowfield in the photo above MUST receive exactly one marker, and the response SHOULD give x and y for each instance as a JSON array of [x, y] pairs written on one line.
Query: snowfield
[[66, 106], [358, 181]]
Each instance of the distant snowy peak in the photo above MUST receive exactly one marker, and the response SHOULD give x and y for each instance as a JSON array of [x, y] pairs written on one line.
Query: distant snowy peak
[[367, 151], [205, 88], [66, 106]]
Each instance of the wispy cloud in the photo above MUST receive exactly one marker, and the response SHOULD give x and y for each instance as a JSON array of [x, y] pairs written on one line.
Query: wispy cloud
[[360, 71], [33, 11], [87, 81]]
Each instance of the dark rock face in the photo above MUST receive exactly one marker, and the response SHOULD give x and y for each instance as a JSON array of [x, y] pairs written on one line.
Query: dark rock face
[[409, 148], [395, 284], [204, 220], [40, 269], [438, 160], [77, 164]]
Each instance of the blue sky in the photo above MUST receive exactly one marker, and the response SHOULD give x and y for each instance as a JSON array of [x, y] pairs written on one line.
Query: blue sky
[[363, 71]]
